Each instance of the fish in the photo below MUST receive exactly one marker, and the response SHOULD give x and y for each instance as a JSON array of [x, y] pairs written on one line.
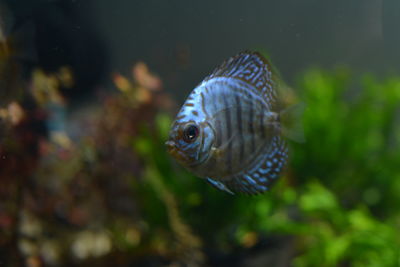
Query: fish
[[231, 129]]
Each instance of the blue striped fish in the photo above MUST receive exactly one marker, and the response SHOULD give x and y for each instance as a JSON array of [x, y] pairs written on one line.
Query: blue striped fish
[[229, 129]]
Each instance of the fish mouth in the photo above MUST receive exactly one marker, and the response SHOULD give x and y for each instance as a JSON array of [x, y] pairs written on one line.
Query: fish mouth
[[180, 156], [175, 152], [170, 145]]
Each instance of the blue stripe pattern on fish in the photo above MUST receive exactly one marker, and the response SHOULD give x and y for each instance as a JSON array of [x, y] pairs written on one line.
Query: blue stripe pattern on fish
[[228, 131]]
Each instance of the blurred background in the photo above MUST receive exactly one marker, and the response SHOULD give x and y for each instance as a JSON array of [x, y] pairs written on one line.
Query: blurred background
[[89, 89]]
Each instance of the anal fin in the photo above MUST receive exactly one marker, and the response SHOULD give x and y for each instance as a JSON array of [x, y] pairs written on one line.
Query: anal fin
[[219, 185], [264, 173]]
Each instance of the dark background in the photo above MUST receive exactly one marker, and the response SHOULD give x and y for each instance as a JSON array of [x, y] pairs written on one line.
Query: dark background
[[184, 40]]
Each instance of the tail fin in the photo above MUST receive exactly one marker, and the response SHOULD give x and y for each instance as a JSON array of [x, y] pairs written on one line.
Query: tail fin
[[292, 123]]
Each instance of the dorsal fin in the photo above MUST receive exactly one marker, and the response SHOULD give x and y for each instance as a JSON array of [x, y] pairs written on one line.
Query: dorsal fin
[[252, 68]]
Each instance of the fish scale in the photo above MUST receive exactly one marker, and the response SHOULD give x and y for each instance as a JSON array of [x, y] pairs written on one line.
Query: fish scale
[[238, 145], [225, 100]]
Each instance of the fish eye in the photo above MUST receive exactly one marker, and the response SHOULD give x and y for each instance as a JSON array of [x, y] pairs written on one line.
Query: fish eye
[[190, 133]]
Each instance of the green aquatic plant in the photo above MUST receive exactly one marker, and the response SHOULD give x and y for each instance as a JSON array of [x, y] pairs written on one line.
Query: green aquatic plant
[[358, 134], [346, 175], [341, 193], [115, 195]]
